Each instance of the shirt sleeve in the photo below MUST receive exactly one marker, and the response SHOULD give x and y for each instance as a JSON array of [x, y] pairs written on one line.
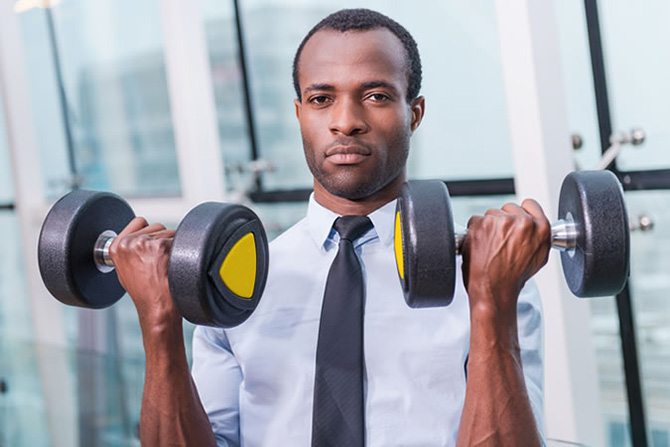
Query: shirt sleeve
[[531, 341], [218, 376]]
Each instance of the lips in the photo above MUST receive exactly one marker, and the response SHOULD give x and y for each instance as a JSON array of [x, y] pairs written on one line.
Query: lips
[[347, 154]]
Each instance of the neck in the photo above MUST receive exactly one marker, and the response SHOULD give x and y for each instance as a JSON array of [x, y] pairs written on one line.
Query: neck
[[358, 207]]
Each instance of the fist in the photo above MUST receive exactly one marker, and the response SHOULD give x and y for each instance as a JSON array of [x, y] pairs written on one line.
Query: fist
[[140, 254], [502, 250]]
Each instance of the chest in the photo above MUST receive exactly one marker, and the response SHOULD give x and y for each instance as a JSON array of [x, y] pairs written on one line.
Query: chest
[[411, 347]]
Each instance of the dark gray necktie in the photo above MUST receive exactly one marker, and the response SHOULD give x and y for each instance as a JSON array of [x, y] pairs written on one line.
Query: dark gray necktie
[[338, 416]]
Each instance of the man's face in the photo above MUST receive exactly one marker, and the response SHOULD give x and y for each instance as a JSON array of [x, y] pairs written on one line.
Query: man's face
[[354, 117]]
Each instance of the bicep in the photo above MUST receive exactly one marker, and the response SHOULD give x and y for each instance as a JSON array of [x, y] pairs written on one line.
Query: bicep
[[217, 377]]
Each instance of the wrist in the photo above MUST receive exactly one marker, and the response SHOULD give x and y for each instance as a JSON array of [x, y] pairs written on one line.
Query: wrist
[[162, 332], [491, 306], [493, 321]]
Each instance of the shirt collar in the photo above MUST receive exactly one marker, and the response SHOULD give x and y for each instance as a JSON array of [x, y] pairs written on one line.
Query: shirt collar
[[320, 222]]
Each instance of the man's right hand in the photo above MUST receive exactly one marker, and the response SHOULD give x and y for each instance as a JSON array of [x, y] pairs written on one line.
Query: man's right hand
[[172, 413], [140, 254]]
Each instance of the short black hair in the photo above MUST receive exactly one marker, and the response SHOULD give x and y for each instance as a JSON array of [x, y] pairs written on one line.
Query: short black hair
[[363, 20]]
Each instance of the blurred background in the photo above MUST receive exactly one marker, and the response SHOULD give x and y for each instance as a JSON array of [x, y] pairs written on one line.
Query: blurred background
[[171, 103]]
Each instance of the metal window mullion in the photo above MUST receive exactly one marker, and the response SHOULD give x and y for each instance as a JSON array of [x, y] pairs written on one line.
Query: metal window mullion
[[62, 97], [248, 103], [645, 180], [638, 426]]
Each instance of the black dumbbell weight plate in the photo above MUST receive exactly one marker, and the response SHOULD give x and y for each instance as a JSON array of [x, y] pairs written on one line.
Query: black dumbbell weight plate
[[65, 248], [599, 265], [218, 264], [424, 244]]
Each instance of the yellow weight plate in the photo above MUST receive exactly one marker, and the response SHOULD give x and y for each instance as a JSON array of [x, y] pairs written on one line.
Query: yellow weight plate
[[238, 270], [398, 246]]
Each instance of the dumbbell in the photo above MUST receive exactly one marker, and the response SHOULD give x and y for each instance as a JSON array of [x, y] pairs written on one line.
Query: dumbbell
[[592, 234], [217, 265]]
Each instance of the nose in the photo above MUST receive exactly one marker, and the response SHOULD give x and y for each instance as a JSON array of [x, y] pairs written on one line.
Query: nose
[[348, 118]]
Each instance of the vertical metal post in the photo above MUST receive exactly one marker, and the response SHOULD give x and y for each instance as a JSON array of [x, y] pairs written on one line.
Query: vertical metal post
[[248, 103], [62, 96], [638, 426]]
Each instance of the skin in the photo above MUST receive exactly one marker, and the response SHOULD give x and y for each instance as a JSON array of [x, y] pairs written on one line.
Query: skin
[[355, 124], [354, 117], [172, 414]]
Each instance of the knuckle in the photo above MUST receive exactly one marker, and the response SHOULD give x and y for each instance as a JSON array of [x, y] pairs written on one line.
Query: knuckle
[[527, 203], [166, 245], [545, 228], [123, 244], [114, 247], [141, 243], [525, 222], [509, 207], [142, 221], [472, 222], [488, 222]]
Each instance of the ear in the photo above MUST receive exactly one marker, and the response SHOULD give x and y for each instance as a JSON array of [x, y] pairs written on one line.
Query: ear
[[417, 108], [298, 108]]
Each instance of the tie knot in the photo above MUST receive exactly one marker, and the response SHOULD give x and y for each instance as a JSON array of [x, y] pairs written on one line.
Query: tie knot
[[352, 227]]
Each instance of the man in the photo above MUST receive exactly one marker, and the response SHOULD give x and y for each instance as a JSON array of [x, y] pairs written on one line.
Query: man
[[448, 376]]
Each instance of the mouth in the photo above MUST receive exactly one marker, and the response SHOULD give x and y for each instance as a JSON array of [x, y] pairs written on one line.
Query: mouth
[[347, 155]]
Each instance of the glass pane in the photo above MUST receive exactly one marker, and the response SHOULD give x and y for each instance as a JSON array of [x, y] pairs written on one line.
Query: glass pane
[[635, 40], [465, 132], [100, 416], [609, 358], [6, 186], [22, 409], [108, 58], [223, 48], [650, 288], [15, 318], [578, 81]]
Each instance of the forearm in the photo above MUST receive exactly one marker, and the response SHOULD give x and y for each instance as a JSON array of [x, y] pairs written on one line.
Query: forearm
[[497, 410], [172, 413]]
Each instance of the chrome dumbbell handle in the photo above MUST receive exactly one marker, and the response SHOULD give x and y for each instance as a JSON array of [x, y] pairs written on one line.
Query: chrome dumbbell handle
[[563, 235], [103, 261]]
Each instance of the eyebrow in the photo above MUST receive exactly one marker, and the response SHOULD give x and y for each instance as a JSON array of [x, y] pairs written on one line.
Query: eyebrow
[[377, 84], [319, 87], [365, 85]]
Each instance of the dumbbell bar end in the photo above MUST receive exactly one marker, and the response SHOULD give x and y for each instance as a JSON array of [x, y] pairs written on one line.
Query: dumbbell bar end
[[103, 261]]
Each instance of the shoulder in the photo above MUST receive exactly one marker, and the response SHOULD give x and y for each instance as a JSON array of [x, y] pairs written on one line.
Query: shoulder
[[296, 235]]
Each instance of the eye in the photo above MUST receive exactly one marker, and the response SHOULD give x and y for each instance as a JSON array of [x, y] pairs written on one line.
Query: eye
[[319, 100], [379, 97]]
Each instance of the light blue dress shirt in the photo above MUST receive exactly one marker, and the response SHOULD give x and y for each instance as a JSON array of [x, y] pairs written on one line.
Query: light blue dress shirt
[[256, 381]]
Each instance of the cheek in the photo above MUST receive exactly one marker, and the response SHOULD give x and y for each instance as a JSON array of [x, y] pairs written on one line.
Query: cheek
[[397, 132], [309, 129]]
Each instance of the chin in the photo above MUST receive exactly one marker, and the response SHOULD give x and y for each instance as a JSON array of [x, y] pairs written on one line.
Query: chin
[[348, 191]]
